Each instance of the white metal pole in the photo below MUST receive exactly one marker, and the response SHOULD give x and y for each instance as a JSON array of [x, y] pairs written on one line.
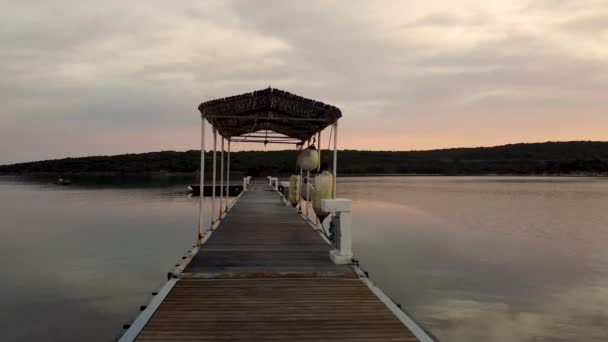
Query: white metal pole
[[227, 176], [307, 192], [214, 172], [335, 157], [222, 178], [300, 190], [307, 186], [201, 184]]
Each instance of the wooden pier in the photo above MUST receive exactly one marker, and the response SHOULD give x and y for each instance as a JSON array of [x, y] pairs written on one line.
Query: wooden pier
[[264, 274]]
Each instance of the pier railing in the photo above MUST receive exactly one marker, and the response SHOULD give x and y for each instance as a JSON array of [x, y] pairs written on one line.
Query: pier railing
[[341, 221]]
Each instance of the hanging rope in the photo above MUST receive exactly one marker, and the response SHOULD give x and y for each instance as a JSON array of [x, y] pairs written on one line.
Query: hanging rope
[[299, 147], [255, 123]]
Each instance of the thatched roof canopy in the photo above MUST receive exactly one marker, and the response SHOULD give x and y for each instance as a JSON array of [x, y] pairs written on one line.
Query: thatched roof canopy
[[269, 109]]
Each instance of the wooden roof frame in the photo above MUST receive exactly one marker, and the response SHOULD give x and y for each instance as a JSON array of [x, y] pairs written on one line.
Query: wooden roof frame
[[269, 109]]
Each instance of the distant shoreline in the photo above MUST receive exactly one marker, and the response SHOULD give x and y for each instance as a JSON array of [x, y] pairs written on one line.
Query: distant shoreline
[[599, 175], [571, 159], [240, 175]]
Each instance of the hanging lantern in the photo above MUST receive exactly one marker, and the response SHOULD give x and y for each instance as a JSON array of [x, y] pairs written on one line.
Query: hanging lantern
[[308, 159]]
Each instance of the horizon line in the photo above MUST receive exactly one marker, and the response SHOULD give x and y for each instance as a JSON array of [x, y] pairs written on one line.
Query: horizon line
[[345, 149]]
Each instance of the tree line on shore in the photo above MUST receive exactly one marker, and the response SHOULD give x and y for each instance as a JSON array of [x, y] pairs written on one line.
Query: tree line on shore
[[550, 158]]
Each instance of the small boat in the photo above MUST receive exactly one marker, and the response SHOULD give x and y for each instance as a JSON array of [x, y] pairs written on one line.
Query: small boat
[[63, 181], [194, 189], [231, 190]]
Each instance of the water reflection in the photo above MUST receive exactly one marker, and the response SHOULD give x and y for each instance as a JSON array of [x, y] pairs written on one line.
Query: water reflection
[[572, 315], [472, 258], [489, 259], [78, 261]]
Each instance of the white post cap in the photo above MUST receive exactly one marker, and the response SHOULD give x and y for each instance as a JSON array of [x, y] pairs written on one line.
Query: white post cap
[[336, 204]]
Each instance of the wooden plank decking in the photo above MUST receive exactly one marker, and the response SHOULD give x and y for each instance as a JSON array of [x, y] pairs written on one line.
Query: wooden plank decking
[[265, 275], [260, 237], [273, 310]]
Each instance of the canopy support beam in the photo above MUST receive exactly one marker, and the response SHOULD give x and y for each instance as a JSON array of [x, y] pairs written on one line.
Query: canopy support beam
[[214, 177], [335, 158], [228, 177], [199, 237], [222, 179]]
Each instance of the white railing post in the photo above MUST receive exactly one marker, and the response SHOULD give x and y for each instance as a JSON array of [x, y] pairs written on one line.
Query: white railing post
[[246, 183], [285, 185], [285, 192], [274, 183], [342, 251]]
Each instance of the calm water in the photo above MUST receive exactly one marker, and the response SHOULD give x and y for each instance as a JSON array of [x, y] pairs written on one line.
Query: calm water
[[473, 259]]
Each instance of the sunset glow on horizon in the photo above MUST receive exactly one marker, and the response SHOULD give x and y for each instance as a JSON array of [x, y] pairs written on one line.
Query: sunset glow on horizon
[[119, 77]]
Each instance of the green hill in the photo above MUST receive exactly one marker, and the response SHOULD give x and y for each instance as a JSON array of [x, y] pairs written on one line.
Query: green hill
[[575, 157]]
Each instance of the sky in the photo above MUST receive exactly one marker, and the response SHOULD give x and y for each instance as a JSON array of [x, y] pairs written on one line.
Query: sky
[[82, 78]]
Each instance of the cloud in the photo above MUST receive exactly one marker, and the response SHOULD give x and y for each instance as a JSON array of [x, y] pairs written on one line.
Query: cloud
[[109, 67], [596, 23]]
